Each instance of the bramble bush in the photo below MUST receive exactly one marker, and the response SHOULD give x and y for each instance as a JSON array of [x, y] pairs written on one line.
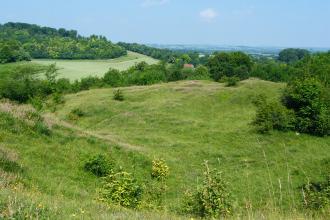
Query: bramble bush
[[212, 198], [100, 165], [121, 189]]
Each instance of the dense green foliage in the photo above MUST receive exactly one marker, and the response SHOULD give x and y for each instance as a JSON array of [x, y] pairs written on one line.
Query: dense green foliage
[[122, 189], [273, 115], [234, 64], [317, 194], [316, 65], [292, 55], [100, 165], [12, 51], [305, 109], [45, 42], [310, 101]]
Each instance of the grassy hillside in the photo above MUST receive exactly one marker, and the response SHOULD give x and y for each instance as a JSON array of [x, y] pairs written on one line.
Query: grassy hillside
[[77, 69], [191, 121], [183, 122]]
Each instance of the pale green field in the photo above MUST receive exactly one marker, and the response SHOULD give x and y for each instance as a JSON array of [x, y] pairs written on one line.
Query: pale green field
[[77, 69]]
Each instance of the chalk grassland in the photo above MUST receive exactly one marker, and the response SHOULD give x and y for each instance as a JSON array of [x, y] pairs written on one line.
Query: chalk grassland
[[188, 122], [77, 69], [183, 122]]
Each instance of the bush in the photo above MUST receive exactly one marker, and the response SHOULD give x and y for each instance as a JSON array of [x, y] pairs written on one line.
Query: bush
[[231, 81], [121, 189], [307, 97], [89, 82], [200, 73], [58, 98], [212, 198], [144, 74], [273, 116], [118, 95], [160, 170], [316, 195], [99, 165], [113, 78], [76, 113], [229, 64]]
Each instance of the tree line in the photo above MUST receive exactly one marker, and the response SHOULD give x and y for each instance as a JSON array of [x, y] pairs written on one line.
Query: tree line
[[21, 41]]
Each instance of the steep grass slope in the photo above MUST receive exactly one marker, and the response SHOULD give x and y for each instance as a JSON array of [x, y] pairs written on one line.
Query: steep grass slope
[[42, 175], [77, 69]]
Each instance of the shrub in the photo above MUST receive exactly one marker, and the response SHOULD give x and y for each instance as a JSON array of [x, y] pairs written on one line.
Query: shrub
[[36, 102], [156, 189], [273, 116], [58, 98], [160, 170], [231, 81], [121, 189], [307, 97], [89, 82], [99, 165], [174, 73], [200, 73], [212, 198], [144, 74], [113, 78], [118, 95], [76, 113], [316, 195]]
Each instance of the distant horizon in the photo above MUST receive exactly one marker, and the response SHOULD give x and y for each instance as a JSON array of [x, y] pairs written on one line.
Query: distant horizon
[[183, 44], [254, 23], [272, 23]]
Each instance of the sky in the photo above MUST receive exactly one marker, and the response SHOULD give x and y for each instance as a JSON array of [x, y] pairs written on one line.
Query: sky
[[281, 23]]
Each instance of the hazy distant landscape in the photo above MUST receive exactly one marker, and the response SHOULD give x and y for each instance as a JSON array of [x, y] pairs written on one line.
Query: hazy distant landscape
[[209, 49]]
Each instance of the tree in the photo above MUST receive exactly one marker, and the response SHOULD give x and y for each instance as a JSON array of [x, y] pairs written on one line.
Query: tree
[[292, 55], [309, 99], [229, 64]]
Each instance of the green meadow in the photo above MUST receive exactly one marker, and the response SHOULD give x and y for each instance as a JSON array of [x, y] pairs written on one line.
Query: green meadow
[[77, 69], [185, 123]]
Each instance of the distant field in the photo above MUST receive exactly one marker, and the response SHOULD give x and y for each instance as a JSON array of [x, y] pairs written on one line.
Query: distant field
[[76, 69]]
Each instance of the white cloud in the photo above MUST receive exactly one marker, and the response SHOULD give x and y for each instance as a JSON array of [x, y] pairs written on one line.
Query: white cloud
[[150, 3], [208, 14]]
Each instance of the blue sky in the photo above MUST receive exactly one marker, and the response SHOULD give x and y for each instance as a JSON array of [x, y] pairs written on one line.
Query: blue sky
[[287, 23]]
